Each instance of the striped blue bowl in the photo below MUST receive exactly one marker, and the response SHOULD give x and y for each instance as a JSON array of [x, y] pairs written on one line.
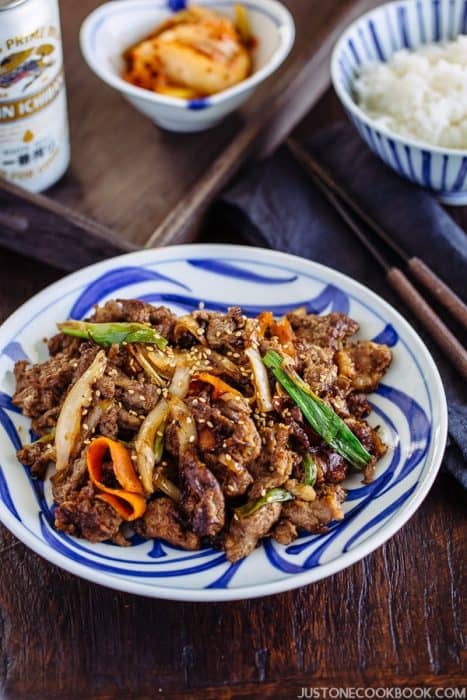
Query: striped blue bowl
[[376, 36]]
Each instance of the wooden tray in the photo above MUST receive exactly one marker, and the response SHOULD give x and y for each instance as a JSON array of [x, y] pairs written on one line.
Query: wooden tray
[[151, 186]]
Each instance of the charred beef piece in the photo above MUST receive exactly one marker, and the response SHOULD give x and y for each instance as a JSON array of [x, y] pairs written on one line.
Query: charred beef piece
[[370, 439], [364, 363], [162, 520], [228, 439], [109, 422], [41, 387], [318, 368], [329, 331], [63, 343], [314, 516], [85, 516], [135, 395], [244, 533], [69, 480], [276, 461], [358, 405], [285, 532], [332, 468], [225, 331], [202, 504], [38, 456], [44, 424]]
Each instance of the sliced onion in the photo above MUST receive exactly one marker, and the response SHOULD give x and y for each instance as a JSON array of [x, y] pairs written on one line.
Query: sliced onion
[[261, 380], [188, 324], [146, 365], [144, 443], [161, 361], [180, 381], [69, 421], [186, 429]]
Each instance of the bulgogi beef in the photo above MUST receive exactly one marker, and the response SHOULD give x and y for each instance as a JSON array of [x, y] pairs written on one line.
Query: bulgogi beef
[[187, 436]]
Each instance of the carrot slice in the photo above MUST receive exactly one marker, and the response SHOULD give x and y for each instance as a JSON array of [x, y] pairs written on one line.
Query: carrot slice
[[129, 501], [219, 386], [284, 331], [281, 329], [266, 319], [128, 505], [121, 464]]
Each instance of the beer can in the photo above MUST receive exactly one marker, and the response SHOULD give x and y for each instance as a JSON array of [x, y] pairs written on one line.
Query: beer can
[[34, 138]]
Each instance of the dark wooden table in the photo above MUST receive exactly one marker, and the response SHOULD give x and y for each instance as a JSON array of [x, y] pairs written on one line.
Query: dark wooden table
[[394, 619]]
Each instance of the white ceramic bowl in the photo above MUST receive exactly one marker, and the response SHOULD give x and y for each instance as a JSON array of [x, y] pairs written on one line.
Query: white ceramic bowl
[[376, 36], [114, 26], [409, 405]]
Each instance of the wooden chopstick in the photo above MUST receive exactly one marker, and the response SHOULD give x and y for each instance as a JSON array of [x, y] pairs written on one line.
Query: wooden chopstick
[[422, 273], [445, 339]]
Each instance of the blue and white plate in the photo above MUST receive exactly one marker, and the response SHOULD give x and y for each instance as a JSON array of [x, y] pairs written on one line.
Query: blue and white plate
[[409, 406]]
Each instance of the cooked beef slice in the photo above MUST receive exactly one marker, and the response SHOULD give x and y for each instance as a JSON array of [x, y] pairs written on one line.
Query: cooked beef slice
[[329, 331], [244, 533], [225, 331], [38, 456], [285, 532], [83, 515], [364, 363], [276, 461], [202, 502], [314, 516], [69, 480], [228, 439], [163, 520], [318, 368]]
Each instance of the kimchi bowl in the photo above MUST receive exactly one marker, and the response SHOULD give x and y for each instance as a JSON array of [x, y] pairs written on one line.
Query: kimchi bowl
[[110, 30]]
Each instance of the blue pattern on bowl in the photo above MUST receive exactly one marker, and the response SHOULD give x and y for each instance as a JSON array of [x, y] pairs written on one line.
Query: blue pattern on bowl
[[375, 37]]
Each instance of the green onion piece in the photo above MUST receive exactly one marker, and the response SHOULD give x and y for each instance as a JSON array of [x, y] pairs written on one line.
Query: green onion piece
[[311, 470], [276, 495], [110, 333], [159, 444], [322, 418]]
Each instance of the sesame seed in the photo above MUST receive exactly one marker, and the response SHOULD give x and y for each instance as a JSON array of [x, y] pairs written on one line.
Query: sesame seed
[[209, 424], [131, 391], [191, 438], [218, 334], [85, 426], [189, 420], [142, 397]]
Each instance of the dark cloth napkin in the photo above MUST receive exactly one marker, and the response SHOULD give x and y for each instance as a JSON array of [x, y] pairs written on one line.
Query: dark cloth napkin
[[276, 205]]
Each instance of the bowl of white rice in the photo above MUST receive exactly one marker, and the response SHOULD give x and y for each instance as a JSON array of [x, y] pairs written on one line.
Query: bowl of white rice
[[400, 72]]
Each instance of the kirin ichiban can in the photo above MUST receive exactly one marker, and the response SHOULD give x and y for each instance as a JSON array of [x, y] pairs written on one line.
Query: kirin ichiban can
[[34, 140]]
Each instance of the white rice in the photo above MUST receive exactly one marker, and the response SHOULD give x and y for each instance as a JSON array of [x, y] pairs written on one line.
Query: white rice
[[419, 94]]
